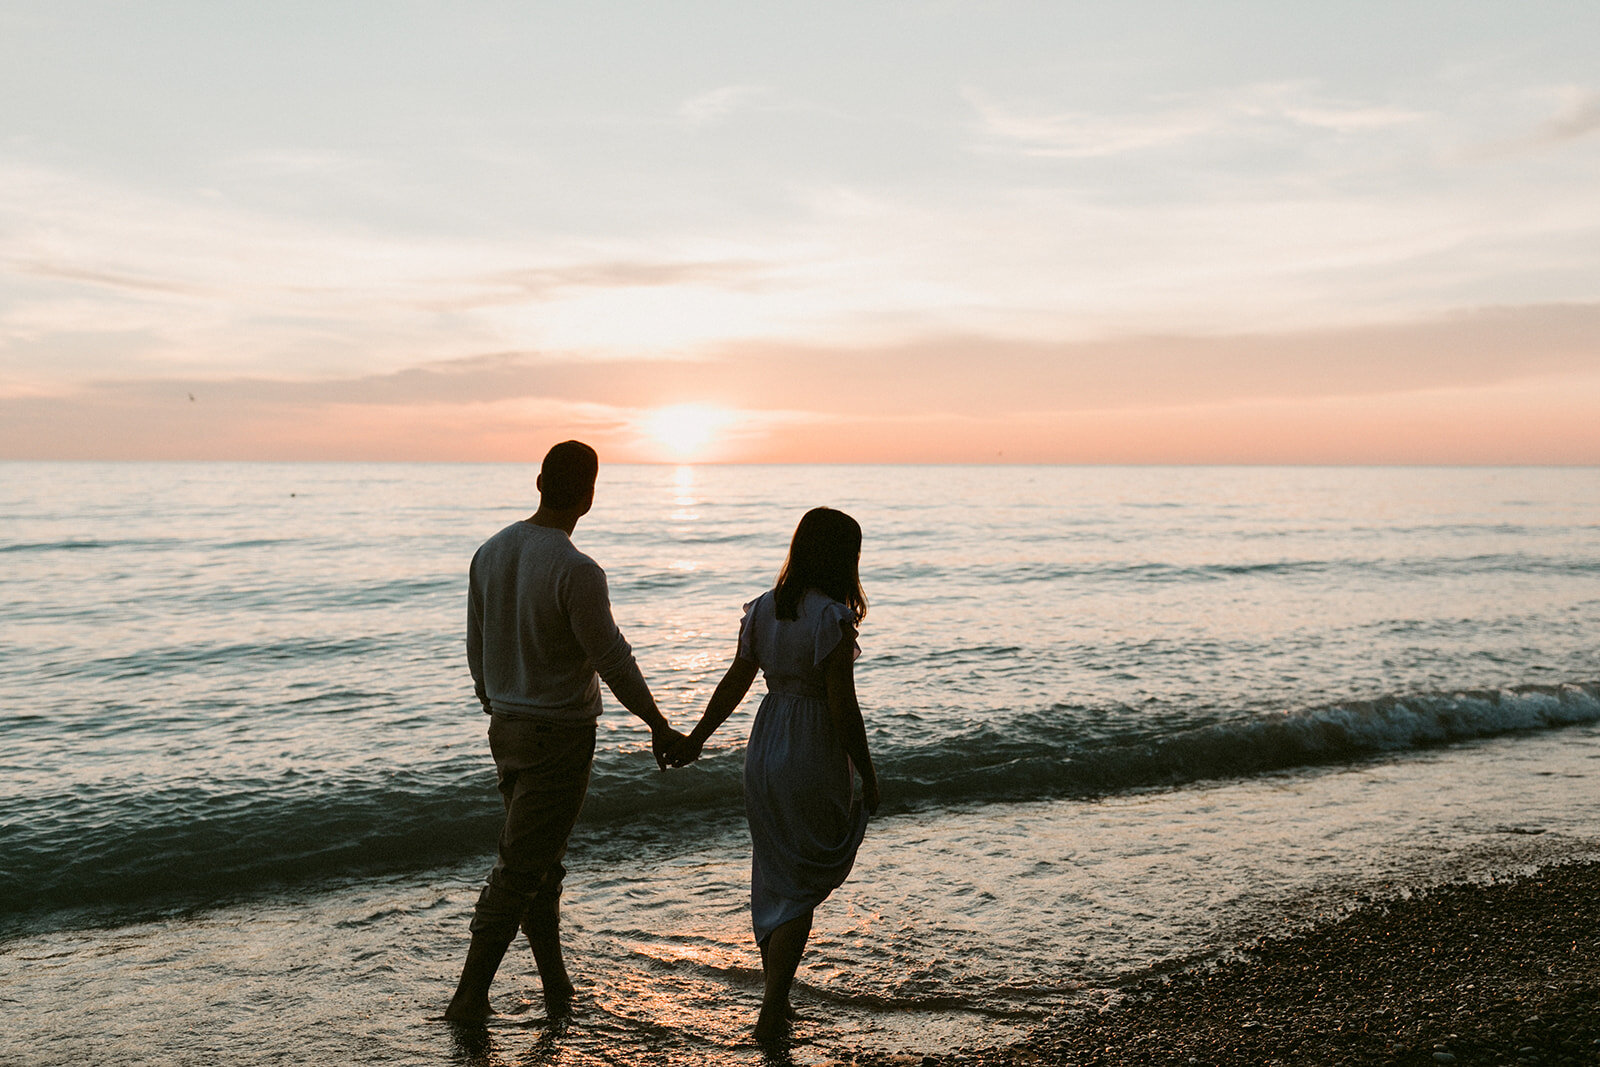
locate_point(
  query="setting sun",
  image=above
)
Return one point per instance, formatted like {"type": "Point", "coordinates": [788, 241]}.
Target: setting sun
{"type": "Point", "coordinates": [685, 430]}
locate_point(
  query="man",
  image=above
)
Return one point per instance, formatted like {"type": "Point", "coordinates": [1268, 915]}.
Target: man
{"type": "Point", "coordinates": [539, 631]}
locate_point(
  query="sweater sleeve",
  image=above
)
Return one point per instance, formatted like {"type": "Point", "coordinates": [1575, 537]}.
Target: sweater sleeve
{"type": "Point", "coordinates": [589, 609]}
{"type": "Point", "coordinates": [475, 635]}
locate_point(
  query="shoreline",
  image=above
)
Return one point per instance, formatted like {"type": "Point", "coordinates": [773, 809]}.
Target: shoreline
{"type": "Point", "coordinates": [1502, 972]}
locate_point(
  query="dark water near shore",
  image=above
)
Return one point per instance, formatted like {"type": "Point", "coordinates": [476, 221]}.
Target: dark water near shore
{"type": "Point", "coordinates": [1119, 714]}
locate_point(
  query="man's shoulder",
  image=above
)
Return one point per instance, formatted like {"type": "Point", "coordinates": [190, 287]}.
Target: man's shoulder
{"type": "Point", "coordinates": [577, 562]}
{"type": "Point", "coordinates": [522, 534]}
{"type": "Point", "coordinates": [523, 539]}
{"type": "Point", "coordinates": [511, 543]}
{"type": "Point", "coordinates": [508, 537]}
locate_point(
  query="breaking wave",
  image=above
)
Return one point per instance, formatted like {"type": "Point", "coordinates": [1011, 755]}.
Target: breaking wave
{"type": "Point", "coordinates": [109, 848]}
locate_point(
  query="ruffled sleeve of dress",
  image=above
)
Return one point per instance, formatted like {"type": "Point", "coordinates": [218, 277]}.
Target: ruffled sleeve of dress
{"type": "Point", "coordinates": [838, 623]}
{"type": "Point", "coordinates": [747, 633]}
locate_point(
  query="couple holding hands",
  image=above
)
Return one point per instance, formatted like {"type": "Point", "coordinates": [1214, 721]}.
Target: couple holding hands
{"type": "Point", "coordinates": [540, 636]}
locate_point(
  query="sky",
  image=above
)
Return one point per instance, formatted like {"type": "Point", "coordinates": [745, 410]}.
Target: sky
{"type": "Point", "coordinates": [1089, 232]}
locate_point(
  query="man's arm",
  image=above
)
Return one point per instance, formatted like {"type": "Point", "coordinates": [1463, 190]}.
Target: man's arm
{"type": "Point", "coordinates": [475, 635]}
{"type": "Point", "coordinates": [589, 609]}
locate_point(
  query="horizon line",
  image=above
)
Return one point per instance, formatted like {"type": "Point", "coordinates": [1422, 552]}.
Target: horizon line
{"type": "Point", "coordinates": [535, 461]}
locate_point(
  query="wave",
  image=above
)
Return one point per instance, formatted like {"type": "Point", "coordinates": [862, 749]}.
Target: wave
{"type": "Point", "coordinates": [183, 659]}
{"type": "Point", "coordinates": [1147, 572]}
{"type": "Point", "coordinates": [80, 545]}
{"type": "Point", "coordinates": [1030, 764]}
{"type": "Point", "coordinates": [105, 850]}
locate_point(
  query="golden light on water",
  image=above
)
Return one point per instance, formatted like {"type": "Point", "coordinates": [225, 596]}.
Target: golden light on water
{"type": "Point", "coordinates": [683, 494]}
{"type": "Point", "coordinates": [686, 431]}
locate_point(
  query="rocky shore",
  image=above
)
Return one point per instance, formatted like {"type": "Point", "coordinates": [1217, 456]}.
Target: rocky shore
{"type": "Point", "coordinates": [1499, 973]}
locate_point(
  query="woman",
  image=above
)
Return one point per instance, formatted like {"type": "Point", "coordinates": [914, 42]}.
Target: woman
{"type": "Point", "coordinates": [805, 823]}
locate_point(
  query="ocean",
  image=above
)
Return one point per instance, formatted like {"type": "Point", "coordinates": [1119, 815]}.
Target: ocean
{"type": "Point", "coordinates": [1124, 718]}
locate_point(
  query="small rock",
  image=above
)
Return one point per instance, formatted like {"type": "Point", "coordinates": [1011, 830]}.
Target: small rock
{"type": "Point", "coordinates": [1444, 1057]}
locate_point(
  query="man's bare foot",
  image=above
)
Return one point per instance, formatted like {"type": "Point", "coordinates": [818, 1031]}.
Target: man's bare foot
{"type": "Point", "coordinates": [544, 937]}
{"type": "Point", "coordinates": [558, 1000]}
{"type": "Point", "coordinates": [471, 1001]}
{"type": "Point", "coordinates": [468, 1010]}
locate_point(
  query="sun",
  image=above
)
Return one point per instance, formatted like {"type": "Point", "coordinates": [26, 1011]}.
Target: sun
{"type": "Point", "coordinates": [685, 430]}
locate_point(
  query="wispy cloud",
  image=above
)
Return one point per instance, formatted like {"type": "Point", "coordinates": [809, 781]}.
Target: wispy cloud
{"type": "Point", "coordinates": [209, 281]}
{"type": "Point", "coordinates": [1571, 113]}
{"type": "Point", "coordinates": [1041, 131]}
{"type": "Point", "coordinates": [542, 282]}
{"type": "Point", "coordinates": [1579, 118]}
{"type": "Point", "coordinates": [936, 374]}
{"type": "Point", "coordinates": [109, 279]}
{"type": "Point", "coordinates": [714, 106]}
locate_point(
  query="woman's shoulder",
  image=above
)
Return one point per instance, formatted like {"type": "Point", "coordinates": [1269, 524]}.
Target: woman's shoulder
{"type": "Point", "coordinates": [819, 605]}
{"type": "Point", "coordinates": [761, 611]}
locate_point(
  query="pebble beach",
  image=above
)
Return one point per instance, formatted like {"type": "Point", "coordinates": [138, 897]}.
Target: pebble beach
{"type": "Point", "coordinates": [1502, 972]}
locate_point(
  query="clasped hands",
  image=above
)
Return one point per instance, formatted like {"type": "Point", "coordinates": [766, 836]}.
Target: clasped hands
{"type": "Point", "coordinates": [674, 749]}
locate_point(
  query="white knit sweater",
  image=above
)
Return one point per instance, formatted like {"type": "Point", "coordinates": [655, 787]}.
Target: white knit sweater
{"type": "Point", "coordinates": [539, 629]}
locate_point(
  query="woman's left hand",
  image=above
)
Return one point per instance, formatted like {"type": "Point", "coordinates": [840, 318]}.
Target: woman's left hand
{"type": "Point", "coordinates": [684, 752]}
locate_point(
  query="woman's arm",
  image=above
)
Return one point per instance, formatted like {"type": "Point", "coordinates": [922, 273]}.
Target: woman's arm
{"type": "Point", "coordinates": [839, 670]}
{"type": "Point", "coordinates": [730, 691]}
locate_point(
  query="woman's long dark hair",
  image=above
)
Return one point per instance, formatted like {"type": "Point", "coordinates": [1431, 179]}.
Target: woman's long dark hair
{"type": "Point", "coordinates": [825, 555]}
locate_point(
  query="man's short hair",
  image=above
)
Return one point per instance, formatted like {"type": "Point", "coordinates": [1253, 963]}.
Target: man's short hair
{"type": "Point", "coordinates": [567, 476]}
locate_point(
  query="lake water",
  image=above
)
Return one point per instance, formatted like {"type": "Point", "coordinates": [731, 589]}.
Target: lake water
{"type": "Point", "coordinates": [1124, 718]}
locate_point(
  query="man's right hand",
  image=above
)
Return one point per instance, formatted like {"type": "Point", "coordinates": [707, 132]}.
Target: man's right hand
{"type": "Point", "coordinates": [685, 752]}
{"type": "Point", "coordinates": [664, 741]}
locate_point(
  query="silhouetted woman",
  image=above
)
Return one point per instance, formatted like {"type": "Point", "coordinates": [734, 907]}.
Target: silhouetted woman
{"type": "Point", "coordinates": [805, 822]}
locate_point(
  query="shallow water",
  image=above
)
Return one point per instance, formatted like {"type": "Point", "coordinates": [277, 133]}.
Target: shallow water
{"type": "Point", "coordinates": [956, 931]}
{"type": "Point", "coordinates": [1123, 717]}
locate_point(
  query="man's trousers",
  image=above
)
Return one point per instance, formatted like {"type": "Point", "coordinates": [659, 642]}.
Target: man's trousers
{"type": "Point", "coordinates": [543, 768]}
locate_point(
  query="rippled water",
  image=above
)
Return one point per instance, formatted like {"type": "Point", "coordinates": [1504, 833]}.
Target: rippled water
{"type": "Point", "coordinates": [1123, 716]}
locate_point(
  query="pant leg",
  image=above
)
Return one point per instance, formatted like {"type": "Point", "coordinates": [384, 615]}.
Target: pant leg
{"type": "Point", "coordinates": [543, 768]}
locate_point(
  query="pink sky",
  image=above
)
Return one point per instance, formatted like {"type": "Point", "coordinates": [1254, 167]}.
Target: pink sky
{"type": "Point", "coordinates": [1511, 386]}
{"type": "Point", "coordinates": [1089, 233]}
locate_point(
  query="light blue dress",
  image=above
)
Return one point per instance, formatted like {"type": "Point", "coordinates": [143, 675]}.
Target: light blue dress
{"type": "Point", "coordinates": [805, 822]}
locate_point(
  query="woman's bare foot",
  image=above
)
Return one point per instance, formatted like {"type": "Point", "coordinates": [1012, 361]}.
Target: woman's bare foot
{"type": "Point", "coordinates": [780, 957]}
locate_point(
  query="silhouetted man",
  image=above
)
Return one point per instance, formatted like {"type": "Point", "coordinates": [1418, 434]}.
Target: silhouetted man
{"type": "Point", "coordinates": [539, 637]}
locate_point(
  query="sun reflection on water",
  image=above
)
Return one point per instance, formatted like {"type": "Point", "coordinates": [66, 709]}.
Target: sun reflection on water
{"type": "Point", "coordinates": [683, 495]}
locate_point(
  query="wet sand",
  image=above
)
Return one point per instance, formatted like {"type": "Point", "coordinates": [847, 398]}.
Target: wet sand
{"type": "Point", "coordinates": [1500, 973]}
